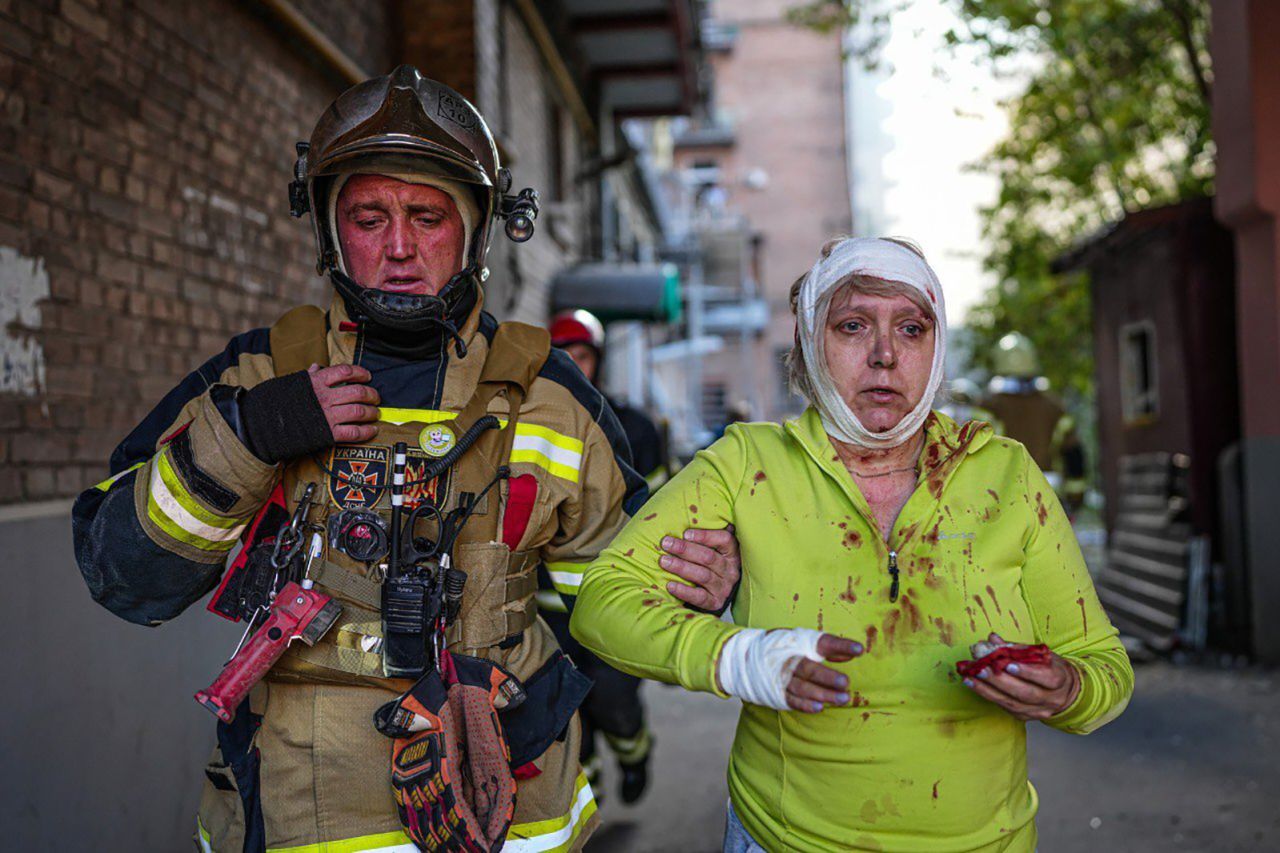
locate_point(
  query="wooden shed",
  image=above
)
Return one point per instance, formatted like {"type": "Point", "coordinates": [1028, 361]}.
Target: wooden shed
{"type": "Point", "coordinates": [1163, 295]}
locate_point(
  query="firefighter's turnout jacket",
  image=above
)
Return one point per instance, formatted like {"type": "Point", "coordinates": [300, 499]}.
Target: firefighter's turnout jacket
{"type": "Point", "coordinates": [306, 769]}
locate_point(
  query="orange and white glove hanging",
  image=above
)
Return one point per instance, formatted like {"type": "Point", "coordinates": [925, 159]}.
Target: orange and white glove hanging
{"type": "Point", "coordinates": [450, 763]}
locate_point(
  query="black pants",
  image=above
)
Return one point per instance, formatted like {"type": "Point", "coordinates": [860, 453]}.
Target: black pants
{"type": "Point", "coordinates": [613, 707]}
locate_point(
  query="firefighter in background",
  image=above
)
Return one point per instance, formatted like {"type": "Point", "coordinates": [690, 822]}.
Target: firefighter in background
{"type": "Point", "coordinates": [613, 707]}
{"type": "Point", "coordinates": [1021, 407]}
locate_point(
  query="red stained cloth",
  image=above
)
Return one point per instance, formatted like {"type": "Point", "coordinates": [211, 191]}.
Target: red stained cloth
{"type": "Point", "coordinates": [522, 492]}
{"type": "Point", "coordinates": [1000, 659]}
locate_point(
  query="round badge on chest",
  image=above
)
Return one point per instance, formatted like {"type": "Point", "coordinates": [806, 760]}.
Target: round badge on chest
{"type": "Point", "coordinates": [437, 440]}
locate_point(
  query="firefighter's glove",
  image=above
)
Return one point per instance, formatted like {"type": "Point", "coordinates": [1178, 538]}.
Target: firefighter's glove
{"type": "Point", "coordinates": [450, 764]}
{"type": "Point", "coordinates": [281, 419]}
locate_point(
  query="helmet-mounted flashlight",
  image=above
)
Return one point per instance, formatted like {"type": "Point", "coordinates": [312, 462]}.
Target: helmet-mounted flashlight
{"type": "Point", "coordinates": [520, 211]}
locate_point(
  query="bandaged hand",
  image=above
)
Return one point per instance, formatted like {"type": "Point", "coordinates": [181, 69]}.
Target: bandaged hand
{"type": "Point", "coordinates": [783, 669]}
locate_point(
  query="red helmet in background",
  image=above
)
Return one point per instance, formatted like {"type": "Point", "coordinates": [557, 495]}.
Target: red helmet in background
{"type": "Point", "coordinates": [577, 327]}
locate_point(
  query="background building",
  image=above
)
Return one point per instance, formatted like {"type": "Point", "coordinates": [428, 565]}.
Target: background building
{"type": "Point", "coordinates": [767, 168]}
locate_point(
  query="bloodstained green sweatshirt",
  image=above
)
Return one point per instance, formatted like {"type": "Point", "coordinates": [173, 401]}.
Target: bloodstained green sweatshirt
{"type": "Point", "coordinates": [916, 762]}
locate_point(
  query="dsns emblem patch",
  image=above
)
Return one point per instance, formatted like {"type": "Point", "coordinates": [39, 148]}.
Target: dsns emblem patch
{"type": "Point", "coordinates": [359, 475]}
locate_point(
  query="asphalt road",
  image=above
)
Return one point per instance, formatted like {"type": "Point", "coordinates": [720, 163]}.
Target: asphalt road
{"type": "Point", "coordinates": [1193, 764]}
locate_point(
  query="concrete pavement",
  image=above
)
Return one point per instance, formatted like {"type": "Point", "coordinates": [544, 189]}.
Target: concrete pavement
{"type": "Point", "coordinates": [1193, 764]}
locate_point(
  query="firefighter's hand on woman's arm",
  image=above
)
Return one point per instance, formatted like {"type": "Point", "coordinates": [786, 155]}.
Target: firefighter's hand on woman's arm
{"type": "Point", "coordinates": [708, 562]}
{"type": "Point", "coordinates": [350, 406]}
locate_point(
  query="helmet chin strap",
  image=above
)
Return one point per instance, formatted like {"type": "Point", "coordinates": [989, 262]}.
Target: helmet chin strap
{"type": "Point", "coordinates": [404, 315]}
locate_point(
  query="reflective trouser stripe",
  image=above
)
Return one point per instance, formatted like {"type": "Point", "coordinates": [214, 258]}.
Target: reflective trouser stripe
{"type": "Point", "coordinates": [630, 750]}
{"type": "Point", "coordinates": [543, 836]}
{"type": "Point", "coordinates": [383, 842]}
{"type": "Point", "coordinates": [556, 834]}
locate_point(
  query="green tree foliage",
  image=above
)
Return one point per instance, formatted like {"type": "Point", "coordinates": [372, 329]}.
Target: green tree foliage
{"type": "Point", "coordinates": [1114, 117]}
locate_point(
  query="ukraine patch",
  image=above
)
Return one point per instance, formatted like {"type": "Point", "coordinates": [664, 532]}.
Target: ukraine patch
{"type": "Point", "coordinates": [358, 475]}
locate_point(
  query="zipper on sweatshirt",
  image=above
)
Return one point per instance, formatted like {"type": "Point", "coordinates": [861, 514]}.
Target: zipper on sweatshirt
{"type": "Point", "coordinates": [893, 575]}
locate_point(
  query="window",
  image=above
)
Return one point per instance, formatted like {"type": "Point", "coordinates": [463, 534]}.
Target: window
{"type": "Point", "coordinates": [714, 403]}
{"type": "Point", "coordinates": [1139, 377]}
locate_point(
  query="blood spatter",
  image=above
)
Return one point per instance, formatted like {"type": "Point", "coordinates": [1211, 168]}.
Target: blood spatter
{"type": "Point", "coordinates": [994, 601]}
{"type": "Point", "coordinates": [844, 525]}
{"type": "Point", "coordinates": [932, 581]}
{"type": "Point", "coordinates": [650, 517]}
{"type": "Point", "coordinates": [760, 477]}
{"type": "Point", "coordinates": [944, 631]}
{"type": "Point", "coordinates": [947, 727]}
{"type": "Point", "coordinates": [651, 602]}
{"type": "Point", "coordinates": [978, 600]}
{"type": "Point", "coordinates": [693, 507]}
{"type": "Point", "coordinates": [872, 631]}
{"type": "Point", "coordinates": [859, 701]}
{"type": "Point", "coordinates": [866, 715]}
{"type": "Point", "coordinates": [907, 532]}
{"type": "Point", "coordinates": [1016, 623]}
{"type": "Point", "coordinates": [973, 626]}
{"type": "Point", "coordinates": [629, 552]}
{"type": "Point", "coordinates": [849, 595]}
{"type": "Point", "coordinates": [932, 536]}
{"type": "Point", "coordinates": [795, 597]}
{"type": "Point", "coordinates": [995, 497]}
{"type": "Point", "coordinates": [1042, 511]}
{"type": "Point", "coordinates": [912, 612]}
{"type": "Point", "coordinates": [935, 789]}
{"type": "Point", "coordinates": [819, 620]}
{"type": "Point", "coordinates": [891, 627]}
{"type": "Point", "coordinates": [852, 539]}
{"type": "Point", "coordinates": [1084, 616]}
{"type": "Point", "coordinates": [688, 616]}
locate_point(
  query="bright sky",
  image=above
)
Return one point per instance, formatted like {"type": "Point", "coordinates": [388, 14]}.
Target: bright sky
{"type": "Point", "coordinates": [938, 124]}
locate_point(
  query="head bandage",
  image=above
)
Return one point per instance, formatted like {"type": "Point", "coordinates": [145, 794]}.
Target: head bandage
{"type": "Point", "coordinates": [456, 190]}
{"type": "Point", "coordinates": [887, 261]}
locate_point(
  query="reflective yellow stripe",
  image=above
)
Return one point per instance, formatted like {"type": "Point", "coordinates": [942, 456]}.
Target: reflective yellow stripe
{"type": "Point", "coordinates": [179, 490]}
{"type": "Point", "coordinates": [421, 416]}
{"type": "Point", "coordinates": [558, 453]}
{"type": "Point", "coordinates": [566, 577]}
{"type": "Point", "coordinates": [543, 461]}
{"type": "Point", "coordinates": [567, 442]}
{"type": "Point", "coordinates": [106, 484]}
{"type": "Point", "coordinates": [174, 511]}
{"type": "Point", "coordinates": [389, 415]}
{"type": "Point", "coordinates": [557, 833]}
{"type": "Point", "coordinates": [384, 842]}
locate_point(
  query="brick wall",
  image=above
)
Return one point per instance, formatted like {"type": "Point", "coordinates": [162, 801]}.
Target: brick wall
{"type": "Point", "coordinates": [144, 154]}
{"type": "Point", "coordinates": [145, 146]}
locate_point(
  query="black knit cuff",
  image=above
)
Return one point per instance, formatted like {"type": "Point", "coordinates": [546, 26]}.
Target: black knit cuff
{"type": "Point", "coordinates": [282, 419]}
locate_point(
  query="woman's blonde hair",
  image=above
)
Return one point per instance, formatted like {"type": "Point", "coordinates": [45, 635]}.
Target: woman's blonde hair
{"type": "Point", "coordinates": [797, 371]}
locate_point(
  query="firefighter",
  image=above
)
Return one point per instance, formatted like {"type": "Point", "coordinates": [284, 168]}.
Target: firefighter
{"type": "Point", "coordinates": [302, 422]}
{"type": "Point", "coordinates": [1021, 407]}
{"type": "Point", "coordinates": [613, 707]}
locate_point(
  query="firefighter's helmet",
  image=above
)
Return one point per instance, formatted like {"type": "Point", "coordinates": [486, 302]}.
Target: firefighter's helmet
{"type": "Point", "coordinates": [406, 124]}
{"type": "Point", "coordinates": [577, 327]}
{"type": "Point", "coordinates": [1016, 356]}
